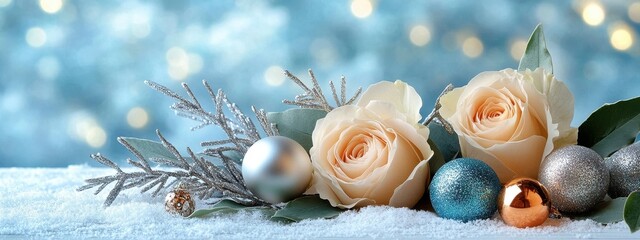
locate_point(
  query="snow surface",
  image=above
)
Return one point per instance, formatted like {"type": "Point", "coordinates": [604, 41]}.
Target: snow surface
{"type": "Point", "coordinates": [43, 203]}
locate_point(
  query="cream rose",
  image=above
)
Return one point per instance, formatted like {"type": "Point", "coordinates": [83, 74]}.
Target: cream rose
{"type": "Point", "coordinates": [374, 152]}
{"type": "Point", "coordinates": [511, 120]}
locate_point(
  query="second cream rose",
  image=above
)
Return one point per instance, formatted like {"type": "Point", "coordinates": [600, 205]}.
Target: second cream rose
{"type": "Point", "coordinates": [511, 120]}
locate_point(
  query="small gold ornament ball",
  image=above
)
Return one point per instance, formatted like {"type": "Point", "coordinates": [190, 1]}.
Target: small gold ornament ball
{"type": "Point", "coordinates": [524, 202]}
{"type": "Point", "coordinates": [179, 202]}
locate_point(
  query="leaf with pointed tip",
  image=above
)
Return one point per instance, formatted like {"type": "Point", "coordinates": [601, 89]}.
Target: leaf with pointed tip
{"type": "Point", "coordinates": [228, 206]}
{"type": "Point", "coordinates": [149, 149]}
{"type": "Point", "coordinates": [632, 211]}
{"type": "Point", "coordinates": [447, 143]}
{"type": "Point", "coordinates": [608, 211]}
{"type": "Point", "coordinates": [436, 160]}
{"type": "Point", "coordinates": [611, 127]}
{"type": "Point", "coordinates": [536, 54]}
{"type": "Point", "coordinates": [297, 124]}
{"type": "Point", "coordinates": [306, 207]}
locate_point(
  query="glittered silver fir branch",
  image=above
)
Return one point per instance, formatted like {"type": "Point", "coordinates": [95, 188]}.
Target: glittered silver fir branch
{"type": "Point", "coordinates": [241, 132]}
{"type": "Point", "coordinates": [314, 98]}
{"type": "Point", "coordinates": [195, 173]}
{"type": "Point", "coordinates": [199, 176]}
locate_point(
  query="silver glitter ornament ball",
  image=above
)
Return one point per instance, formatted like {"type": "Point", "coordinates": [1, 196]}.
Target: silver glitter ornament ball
{"type": "Point", "coordinates": [276, 169]}
{"type": "Point", "coordinates": [576, 177]}
{"type": "Point", "coordinates": [624, 170]}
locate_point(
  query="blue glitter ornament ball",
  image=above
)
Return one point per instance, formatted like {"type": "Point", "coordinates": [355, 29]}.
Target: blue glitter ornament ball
{"type": "Point", "coordinates": [465, 189]}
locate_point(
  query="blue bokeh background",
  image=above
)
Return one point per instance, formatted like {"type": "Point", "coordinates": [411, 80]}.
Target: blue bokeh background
{"type": "Point", "coordinates": [72, 72]}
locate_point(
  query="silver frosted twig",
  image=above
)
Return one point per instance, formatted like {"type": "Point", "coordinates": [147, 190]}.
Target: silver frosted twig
{"type": "Point", "coordinates": [240, 129]}
{"type": "Point", "coordinates": [314, 98]}
{"type": "Point", "coordinates": [435, 113]}
{"type": "Point", "coordinates": [200, 176]}
{"type": "Point", "coordinates": [205, 179]}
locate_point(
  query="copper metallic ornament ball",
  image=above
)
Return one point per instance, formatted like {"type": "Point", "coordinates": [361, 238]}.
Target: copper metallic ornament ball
{"type": "Point", "coordinates": [524, 202]}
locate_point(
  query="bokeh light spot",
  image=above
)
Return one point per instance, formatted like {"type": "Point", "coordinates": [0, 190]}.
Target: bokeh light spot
{"type": "Point", "coordinates": [274, 76]}
{"type": "Point", "coordinates": [178, 60]}
{"type": "Point", "coordinates": [621, 37]}
{"type": "Point", "coordinates": [178, 72]}
{"type": "Point", "coordinates": [361, 8]}
{"type": "Point", "coordinates": [517, 49]}
{"type": "Point", "coordinates": [4, 3]}
{"type": "Point", "coordinates": [634, 12]}
{"type": "Point", "coordinates": [51, 6]}
{"type": "Point", "coordinates": [195, 63]}
{"type": "Point", "coordinates": [81, 125]}
{"type": "Point", "coordinates": [176, 55]}
{"type": "Point", "coordinates": [472, 47]}
{"type": "Point", "coordinates": [96, 137]}
{"type": "Point", "coordinates": [420, 35]}
{"type": "Point", "coordinates": [85, 128]}
{"type": "Point", "coordinates": [593, 14]}
{"type": "Point", "coordinates": [36, 37]}
{"type": "Point", "coordinates": [137, 117]}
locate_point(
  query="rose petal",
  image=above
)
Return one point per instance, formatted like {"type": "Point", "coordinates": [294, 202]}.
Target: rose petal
{"type": "Point", "coordinates": [409, 193]}
{"type": "Point", "coordinates": [471, 149]}
{"type": "Point", "coordinates": [449, 103]}
{"type": "Point", "coordinates": [526, 159]}
{"type": "Point", "coordinates": [383, 110]}
{"type": "Point", "coordinates": [561, 103]}
{"type": "Point", "coordinates": [354, 167]}
{"type": "Point", "coordinates": [402, 160]}
{"type": "Point", "coordinates": [335, 196]}
{"type": "Point", "coordinates": [479, 126]}
{"type": "Point", "coordinates": [403, 97]}
{"type": "Point", "coordinates": [530, 123]}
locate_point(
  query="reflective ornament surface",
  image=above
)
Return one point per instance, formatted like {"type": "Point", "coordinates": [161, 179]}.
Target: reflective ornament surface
{"type": "Point", "coordinates": [576, 178]}
{"type": "Point", "coordinates": [465, 189]}
{"type": "Point", "coordinates": [179, 202]}
{"type": "Point", "coordinates": [624, 170]}
{"type": "Point", "coordinates": [524, 202]}
{"type": "Point", "coordinates": [276, 169]}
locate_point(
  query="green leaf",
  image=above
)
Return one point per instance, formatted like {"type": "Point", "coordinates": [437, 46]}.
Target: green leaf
{"type": "Point", "coordinates": [297, 124]}
{"type": "Point", "coordinates": [234, 155]}
{"type": "Point", "coordinates": [227, 206]}
{"type": "Point", "coordinates": [436, 161]}
{"type": "Point", "coordinates": [608, 211]}
{"type": "Point", "coordinates": [306, 207]}
{"type": "Point", "coordinates": [536, 54]}
{"type": "Point", "coordinates": [632, 211]}
{"type": "Point", "coordinates": [447, 143]}
{"type": "Point", "coordinates": [611, 127]}
{"type": "Point", "coordinates": [149, 149]}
